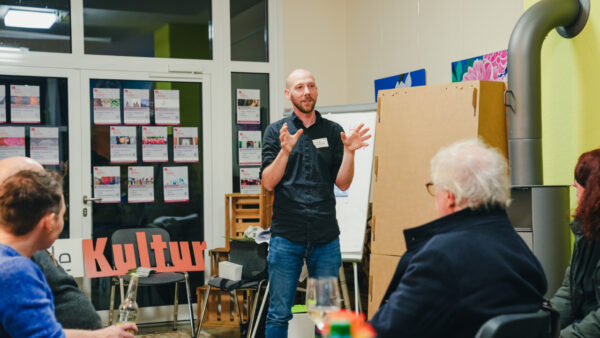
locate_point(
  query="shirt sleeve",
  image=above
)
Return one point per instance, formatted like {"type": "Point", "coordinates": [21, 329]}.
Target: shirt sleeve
{"type": "Point", "coordinates": [421, 299]}
{"type": "Point", "coordinates": [26, 308]}
{"type": "Point", "coordinates": [271, 147]}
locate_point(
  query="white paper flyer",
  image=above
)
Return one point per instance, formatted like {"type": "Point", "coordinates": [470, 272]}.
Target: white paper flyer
{"type": "Point", "coordinates": [176, 184]}
{"type": "Point", "coordinates": [249, 180]}
{"type": "Point", "coordinates": [122, 145]}
{"type": "Point", "coordinates": [107, 184]}
{"type": "Point", "coordinates": [185, 144]}
{"type": "Point", "coordinates": [140, 184]}
{"type": "Point", "coordinates": [25, 104]}
{"type": "Point", "coordinates": [43, 145]}
{"type": "Point", "coordinates": [107, 106]}
{"type": "Point", "coordinates": [2, 104]}
{"type": "Point", "coordinates": [12, 142]}
{"type": "Point", "coordinates": [154, 144]}
{"type": "Point", "coordinates": [248, 106]}
{"type": "Point", "coordinates": [249, 147]}
{"type": "Point", "coordinates": [137, 106]}
{"type": "Point", "coordinates": [166, 107]}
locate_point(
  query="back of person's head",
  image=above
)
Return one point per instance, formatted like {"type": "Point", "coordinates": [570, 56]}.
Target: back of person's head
{"type": "Point", "coordinates": [26, 197]}
{"type": "Point", "coordinates": [476, 174]}
{"type": "Point", "coordinates": [587, 174]}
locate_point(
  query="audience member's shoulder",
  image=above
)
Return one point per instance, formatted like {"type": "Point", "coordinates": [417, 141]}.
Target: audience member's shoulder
{"type": "Point", "coordinates": [17, 266]}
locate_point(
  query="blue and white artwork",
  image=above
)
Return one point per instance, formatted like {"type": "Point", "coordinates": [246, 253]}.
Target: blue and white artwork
{"type": "Point", "coordinates": [411, 79]}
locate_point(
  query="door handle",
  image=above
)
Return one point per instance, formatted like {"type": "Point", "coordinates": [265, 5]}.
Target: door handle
{"type": "Point", "coordinates": [86, 200]}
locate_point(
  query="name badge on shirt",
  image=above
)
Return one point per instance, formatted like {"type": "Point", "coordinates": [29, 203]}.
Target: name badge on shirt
{"type": "Point", "coordinates": [321, 142]}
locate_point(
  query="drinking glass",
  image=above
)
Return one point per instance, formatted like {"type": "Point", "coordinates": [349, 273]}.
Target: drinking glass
{"type": "Point", "coordinates": [322, 297]}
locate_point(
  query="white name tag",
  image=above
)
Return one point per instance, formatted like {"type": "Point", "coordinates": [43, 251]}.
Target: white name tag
{"type": "Point", "coordinates": [321, 143]}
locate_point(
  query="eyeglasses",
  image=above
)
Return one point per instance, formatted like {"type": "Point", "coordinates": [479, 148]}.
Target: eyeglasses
{"type": "Point", "coordinates": [430, 188]}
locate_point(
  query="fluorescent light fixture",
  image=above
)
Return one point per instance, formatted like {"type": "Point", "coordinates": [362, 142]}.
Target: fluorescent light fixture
{"type": "Point", "coordinates": [29, 18]}
{"type": "Point", "coordinates": [13, 49]}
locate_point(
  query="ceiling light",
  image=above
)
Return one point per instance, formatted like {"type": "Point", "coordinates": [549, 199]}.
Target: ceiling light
{"type": "Point", "coordinates": [30, 18]}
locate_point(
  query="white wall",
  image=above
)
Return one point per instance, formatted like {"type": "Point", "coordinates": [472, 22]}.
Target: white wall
{"type": "Point", "coordinates": [388, 37]}
{"type": "Point", "coordinates": [314, 37]}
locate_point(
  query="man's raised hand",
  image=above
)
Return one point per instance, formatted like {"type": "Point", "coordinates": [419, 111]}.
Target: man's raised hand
{"type": "Point", "coordinates": [288, 141]}
{"type": "Point", "coordinates": [356, 138]}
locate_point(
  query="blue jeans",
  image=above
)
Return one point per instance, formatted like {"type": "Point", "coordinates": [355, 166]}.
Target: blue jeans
{"type": "Point", "coordinates": [285, 264]}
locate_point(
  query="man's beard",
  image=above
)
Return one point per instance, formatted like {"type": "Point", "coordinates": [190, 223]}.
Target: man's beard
{"type": "Point", "coordinates": [305, 111]}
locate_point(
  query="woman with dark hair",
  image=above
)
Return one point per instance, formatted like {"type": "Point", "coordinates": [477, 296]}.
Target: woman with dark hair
{"type": "Point", "coordinates": [578, 299]}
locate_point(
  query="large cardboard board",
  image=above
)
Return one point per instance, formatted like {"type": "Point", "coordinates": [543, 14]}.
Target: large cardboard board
{"type": "Point", "coordinates": [413, 123]}
{"type": "Point", "coordinates": [381, 271]}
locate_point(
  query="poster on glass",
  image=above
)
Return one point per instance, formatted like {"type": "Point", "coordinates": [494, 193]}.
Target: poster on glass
{"type": "Point", "coordinates": [25, 104]}
{"type": "Point", "coordinates": [185, 144]}
{"type": "Point", "coordinates": [249, 147]}
{"type": "Point", "coordinates": [166, 107]}
{"type": "Point", "coordinates": [249, 180]}
{"type": "Point", "coordinates": [43, 145]}
{"type": "Point", "coordinates": [107, 106]}
{"type": "Point", "coordinates": [176, 184]}
{"type": "Point", "coordinates": [248, 106]}
{"type": "Point", "coordinates": [122, 145]}
{"type": "Point", "coordinates": [107, 184]}
{"type": "Point", "coordinates": [2, 104]}
{"type": "Point", "coordinates": [154, 144]}
{"type": "Point", "coordinates": [12, 142]}
{"type": "Point", "coordinates": [140, 184]}
{"type": "Point", "coordinates": [137, 106]}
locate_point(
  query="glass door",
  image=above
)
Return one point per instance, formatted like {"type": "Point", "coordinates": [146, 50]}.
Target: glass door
{"type": "Point", "coordinates": [145, 168]}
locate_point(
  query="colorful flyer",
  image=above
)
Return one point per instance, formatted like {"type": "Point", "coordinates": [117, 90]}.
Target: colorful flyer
{"type": "Point", "coordinates": [107, 106]}
{"type": "Point", "coordinates": [43, 145]}
{"type": "Point", "coordinates": [12, 142]}
{"type": "Point", "coordinates": [25, 104]}
{"type": "Point", "coordinates": [249, 147]}
{"type": "Point", "coordinates": [166, 107]}
{"type": "Point", "coordinates": [248, 106]}
{"type": "Point", "coordinates": [137, 106]}
{"type": "Point", "coordinates": [2, 104]}
{"type": "Point", "coordinates": [249, 180]}
{"type": "Point", "coordinates": [185, 144]}
{"type": "Point", "coordinates": [122, 145]}
{"type": "Point", "coordinates": [107, 184]}
{"type": "Point", "coordinates": [154, 144]}
{"type": "Point", "coordinates": [140, 184]}
{"type": "Point", "coordinates": [176, 184]}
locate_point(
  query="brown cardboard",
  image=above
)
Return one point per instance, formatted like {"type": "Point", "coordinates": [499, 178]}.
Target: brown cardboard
{"type": "Point", "coordinates": [413, 123]}
{"type": "Point", "coordinates": [381, 271]}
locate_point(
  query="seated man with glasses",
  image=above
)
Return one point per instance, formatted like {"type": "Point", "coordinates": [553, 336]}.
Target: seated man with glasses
{"type": "Point", "coordinates": [467, 266]}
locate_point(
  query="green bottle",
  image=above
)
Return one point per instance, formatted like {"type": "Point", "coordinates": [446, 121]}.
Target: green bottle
{"type": "Point", "coordinates": [339, 330]}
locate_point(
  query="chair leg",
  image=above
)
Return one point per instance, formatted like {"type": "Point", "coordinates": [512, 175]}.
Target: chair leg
{"type": "Point", "coordinates": [189, 299]}
{"type": "Point", "coordinates": [233, 294]}
{"type": "Point", "coordinates": [262, 306]}
{"type": "Point", "coordinates": [112, 301]}
{"type": "Point", "coordinates": [252, 313]}
{"type": "Point", "coordinates": [175, 306]}
{"type": "Point", "coordinates": [201, 319]}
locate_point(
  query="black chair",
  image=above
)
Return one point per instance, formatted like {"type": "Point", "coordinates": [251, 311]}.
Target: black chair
{"type": "Point", "coordinates": [128, 236]}
{"type": "Point", "coordinates": [540, 324]}
{"type": "Point", "coordinates": [253, 258]}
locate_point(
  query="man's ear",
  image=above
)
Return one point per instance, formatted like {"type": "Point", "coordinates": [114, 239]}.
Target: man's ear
{"type": "Point", "coordinates": [47, 222]}
{"type": "Point", "coordinates": [286, 92]}
{"type": "Point", "coordinates": [450, 200]}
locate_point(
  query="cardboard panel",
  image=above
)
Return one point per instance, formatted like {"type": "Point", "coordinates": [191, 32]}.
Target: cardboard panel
{"type": "Point", "coordinates": [381, 272]}
{"type": "Point", "coordinates": [413, 123]}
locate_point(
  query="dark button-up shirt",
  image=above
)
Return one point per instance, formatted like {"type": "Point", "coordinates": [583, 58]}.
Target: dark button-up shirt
{"type": "Point", "coordinates": [304, 203]}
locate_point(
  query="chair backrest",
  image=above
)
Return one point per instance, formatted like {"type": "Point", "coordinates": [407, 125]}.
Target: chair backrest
{"type": "Point", "coordinates": [128, 236]}
{"type": "Point", "coordinates": [532, 325]}
{"type": "Point", "coordinates": [250, 255]}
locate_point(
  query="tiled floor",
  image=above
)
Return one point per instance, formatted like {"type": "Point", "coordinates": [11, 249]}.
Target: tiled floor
{"type": "Point", "coordinates": [184, 331]}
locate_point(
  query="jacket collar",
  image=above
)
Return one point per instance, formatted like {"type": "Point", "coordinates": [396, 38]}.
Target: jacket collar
{"type": "Point", "coordinates": [457, 221]}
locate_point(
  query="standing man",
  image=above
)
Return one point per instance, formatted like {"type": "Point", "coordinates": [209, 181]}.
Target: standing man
{"type": "Point", "coordinates": [303, 156]}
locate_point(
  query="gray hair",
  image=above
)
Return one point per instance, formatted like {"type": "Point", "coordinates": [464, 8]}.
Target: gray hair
{"type": "Point", "coordinates": [476, 174]}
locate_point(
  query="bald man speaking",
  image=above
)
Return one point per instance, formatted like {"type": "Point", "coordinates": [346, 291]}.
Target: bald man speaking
{"type": "Point", "coordinates": [303, 156]}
